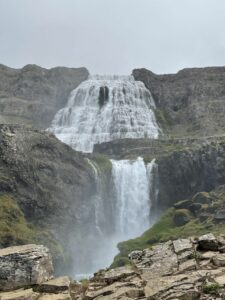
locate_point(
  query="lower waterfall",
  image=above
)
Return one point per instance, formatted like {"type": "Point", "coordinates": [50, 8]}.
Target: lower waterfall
{"type": "Point", "coordinates": [130, 205]}
{"type": "Point", "coordinates": [132, 186]}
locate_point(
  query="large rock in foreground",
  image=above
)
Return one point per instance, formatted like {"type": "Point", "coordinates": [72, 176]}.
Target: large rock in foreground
{"type": "Point", "coordinates": [22, 266]}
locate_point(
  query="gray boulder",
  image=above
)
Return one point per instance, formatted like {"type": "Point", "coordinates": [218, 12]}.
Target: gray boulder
{"type": "Point", "coordinates": [22, 266]}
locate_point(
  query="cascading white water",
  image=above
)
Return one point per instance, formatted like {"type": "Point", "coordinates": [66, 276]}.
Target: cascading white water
{"type": "Point", "coordinates": [105, 108]}
{"type": "Point", "coordinates": [132, 183]}
{"type": "Point", "coordinates": [130, 216]}
{"type": "Point", "coordinates": [101, 109]}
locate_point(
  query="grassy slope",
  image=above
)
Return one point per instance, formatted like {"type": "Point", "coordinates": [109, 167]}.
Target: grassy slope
{"type": "Point", "coordinates": [14, 229]}
{"type": "Point", "coordinates": [167, 228]}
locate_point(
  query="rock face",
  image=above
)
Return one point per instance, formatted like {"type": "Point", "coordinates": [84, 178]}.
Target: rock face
{"type": "Point", "coordinates": [32, 95]}
{"type": "Point", "coordinates": [51, 183]}
{"type": "Point", "coordinates": [22, 266]}
{"type": "Point", "coordinates": [181, 269]}
{"type": "Point", "coordinates": [40, 171]}
{"type": "Point", "coordinates": [189, 103]}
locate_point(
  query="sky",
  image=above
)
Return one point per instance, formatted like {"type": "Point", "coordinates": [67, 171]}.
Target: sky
{"type": "Point", "coordinates": [113, 36]}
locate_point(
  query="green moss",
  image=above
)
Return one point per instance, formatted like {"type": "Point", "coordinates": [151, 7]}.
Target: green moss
{"type": "Point", "coordinates": [211, 289]}
{"type": "Point", "coordinates": [120, 261]}
{"type": "Point", "coordinates": [163, 118]}
{"type": "Point", "coordinates": [15, 230]}
{"type": "Point", "coordinates": [182, 216]}
{"type": "Point", "coordinates": [103, 162]}
{"type": "Point", "coordinates": [165, 229]}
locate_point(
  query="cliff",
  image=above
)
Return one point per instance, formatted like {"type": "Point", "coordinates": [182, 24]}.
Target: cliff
{"type": "Point", "coordinates": [189, 103]}
{"type": "Point", "coordinates": [32, 95]}
{"type": "Point", "coordinates": [44, 183]}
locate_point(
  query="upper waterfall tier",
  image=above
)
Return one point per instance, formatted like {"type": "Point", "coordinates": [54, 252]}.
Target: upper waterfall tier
{"type": "Point", "coordinates": [105, 108]}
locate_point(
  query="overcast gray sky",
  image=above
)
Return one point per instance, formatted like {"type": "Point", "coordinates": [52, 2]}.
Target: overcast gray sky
{"type": "Point", "coordinates": [113, 36]}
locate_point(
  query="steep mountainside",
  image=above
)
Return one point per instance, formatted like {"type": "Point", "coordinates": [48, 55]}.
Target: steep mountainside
{"type": "Point", "coordinates": [47, 182]}
{"type": "Point", "coordinates": [32, 95]}
{"type": "Point", "coordinates": [189, 103]}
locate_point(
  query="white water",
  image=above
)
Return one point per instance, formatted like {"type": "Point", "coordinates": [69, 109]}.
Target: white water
{"type": "Point", "coordinates": [131, 194]}
{"type": "Point", "coordinates": [126, 111]}
{"type": "Point", "coordinates": [132, 183]}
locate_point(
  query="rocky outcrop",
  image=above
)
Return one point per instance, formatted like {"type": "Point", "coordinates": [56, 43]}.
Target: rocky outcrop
{"type": "Point", "coordinates": [189, 103]}
{"type": "Point", "coordinates": [190, 268]}
{"type": "Point", "coordinates": [32, 95]}
{"type": "Point", "coordinates": [183, 268]}
{"type": "Point", "coordinates": [51, 183]}
{"type": "Point", "coordinates": [23, 266]}
{"type": "Point", "coordinates": [47, 178]}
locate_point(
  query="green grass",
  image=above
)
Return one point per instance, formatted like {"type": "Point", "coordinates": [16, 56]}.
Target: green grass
{"type": "Point", "coordinates": [211, 289]}
{"type": "Point", "coordinates": [103, 162]}
{"type": "Point", "coordinates": [15, 230]}
{"type": "Point", "coordinates": [165, 229]}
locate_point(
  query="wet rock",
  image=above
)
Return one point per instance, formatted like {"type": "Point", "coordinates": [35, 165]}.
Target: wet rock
{"type": "Point", "coordinates": [24, 266]}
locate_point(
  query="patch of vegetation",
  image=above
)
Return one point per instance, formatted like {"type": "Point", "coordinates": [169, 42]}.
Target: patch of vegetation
{"type": "Point", "coordinates": [211, 289]}
{"type": "Point", "coordinates": [194, 219]}
{"type": "Point", "coordinates": [103, 162]}
{"type": "Point", "coordinates": [15, 230]}
{"type": "Point", "coordinates": [120, 261]}
{"type": "Point", "coordinates": [163, 118]}
{"type": "Point", "coordinates": [165, 229]}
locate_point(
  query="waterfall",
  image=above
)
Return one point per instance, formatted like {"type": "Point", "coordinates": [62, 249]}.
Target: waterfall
{"type": "Point", "coordinates": [102, 109]}
{"type": "Point", "coordinates": [132, 184]}
{"type": "Point", "coordinates": [105, 108]}
{"type": "Point", "coordinates": [132, 188]}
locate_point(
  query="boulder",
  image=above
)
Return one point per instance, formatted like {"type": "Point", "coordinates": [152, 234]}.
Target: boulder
{"type": "Point", "coordinates": [219, 260]}
{"type": "Point", "coordinates": [20, 294]}
{"type": "Point", "coordinates": [56, 286]}
{"type": "Point", "coordinates": [110, 276]}
{"type": "Point", "coordinates": [182, 245]}
{"type": "Point", "coordinates": [22, 266]}
{"type": "Point", "coordinates": [208, 242]}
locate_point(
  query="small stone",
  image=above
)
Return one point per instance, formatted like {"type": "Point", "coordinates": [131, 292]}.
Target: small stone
{"type": "Point", "coordinates": [220, 280]}
{"type": "Point", "coordinates": [219, 260]}
{"type": "Point", "coordinates": [55, 286]}
{"type": "Point", "coordinates": [181, 245]}
{"type": "Point", "coordinates": [188, 265]}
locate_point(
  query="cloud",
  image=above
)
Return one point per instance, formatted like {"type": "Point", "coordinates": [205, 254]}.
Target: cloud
{"type": "Point", "coordinates": [113, 36]}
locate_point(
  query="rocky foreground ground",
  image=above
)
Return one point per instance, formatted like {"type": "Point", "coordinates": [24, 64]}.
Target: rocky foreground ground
{"type": "Point", "coordinates": [186, 269]}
